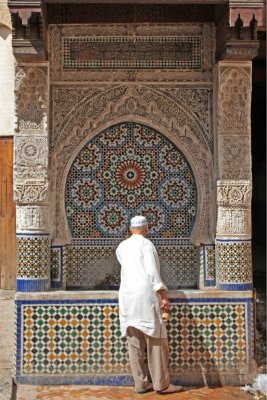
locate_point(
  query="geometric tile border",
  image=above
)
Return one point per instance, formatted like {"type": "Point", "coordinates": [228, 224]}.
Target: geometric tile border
{"type": "Point", "coordinates": [56, 266]}
{"type": "Point", "coordinates": [179, 52]}
{"type": "Point", "coordinates": [78, 341]}
{"type": "Point", "coordinates": [96, 267]}
{"type": "Point", "coordinates": [33, 260]}
{"type": "Point", "coordinates": [207, 265]}
{"type": "Point", "coordinates": [233, 264]}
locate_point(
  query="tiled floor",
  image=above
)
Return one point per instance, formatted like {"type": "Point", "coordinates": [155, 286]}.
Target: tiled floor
{"type": "Point", "coordinates": [25, 392]}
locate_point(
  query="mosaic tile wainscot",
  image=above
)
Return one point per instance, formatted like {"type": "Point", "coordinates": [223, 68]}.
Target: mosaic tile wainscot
{"type": "Point", "coordinates": [74, 337]}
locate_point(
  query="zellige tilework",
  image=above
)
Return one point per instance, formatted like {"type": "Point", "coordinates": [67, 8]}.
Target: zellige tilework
{"type": "Point", "coordinates": [129, 169]}
{"type": "Point", "coordinates": [107, 52]}
{"type": "Point", "coordinates": [83, 337]}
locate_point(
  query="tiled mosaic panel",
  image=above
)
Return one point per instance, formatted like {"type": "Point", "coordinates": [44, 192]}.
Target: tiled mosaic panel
{"type": "Point", "coordinates": [207, 335]}
{"type": "Point", "coordinates": [109, 52]}
{"type": "Point", "coordinates": [130, 169]}
{"type": "Point", "coordinates": [234, 261]}
{"type": "Point", "coordinates": [178, 266]}
{"type": "Point", "coordinates": [33, 256]}
{"type": "Point", "coordinates": [56, 263]}
{"type": "Point", "coordinates": [85, 267]}
{"type": "Point", "coordinates": [85, 338]}
{"type": "Point", "coordinates": [210, 262]}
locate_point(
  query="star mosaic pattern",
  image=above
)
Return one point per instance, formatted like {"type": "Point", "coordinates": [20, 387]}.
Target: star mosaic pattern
{"type": "Point", "coordinates": [81, 338]}
{"type": "Point", "coordinates": [33, 256]}
{"type": "Point", "coordinates": [130, 169]}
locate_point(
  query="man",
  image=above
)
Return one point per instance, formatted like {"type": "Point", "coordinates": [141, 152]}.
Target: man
{"type": "Point", "coordinates": [142, 297]}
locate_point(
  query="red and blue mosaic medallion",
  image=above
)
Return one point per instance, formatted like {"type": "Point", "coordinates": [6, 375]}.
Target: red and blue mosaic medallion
{"type": "Point", "coordinates": [126, 170]}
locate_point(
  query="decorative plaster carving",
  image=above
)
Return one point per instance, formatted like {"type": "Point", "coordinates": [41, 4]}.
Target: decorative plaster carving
{"type": "Point", "coordinates": [198, 99]}
{"type": "Point", "coordinates": [55, 51]}
{"type": "Point", "coordinates": [234, 98]}
{"type": "Point", "coordinates": [234, 222]}
{"type": "Point", "coordinates": [235, 157]}
{"type": "Point", "coordinates": [137, 100]}
{"type": "Point", "coordinates": [31, 91]}
{"type": "Point", "coordinates": [141, 104]}
{"type": "Point", "coordinates": [31, 151]}
{"type": "Point", "coordinates": [32, 218]}
{"type": "Point", "coordinates": [20, 74]}
{"type": "Point", "coordinates": [59, 33]}
{"type": "Point", "coordinates": [234, 193]}
{"type": "Point", "coordinates": [183, 113]}
{"type": "Point", "coordinates": [64, 102]}
{"type": "Point", "coordinates": [234, 211]}
{"type": "Point", "coordinates": [32, 173]}
{"type": "Point", "coordinates": [30, 191]}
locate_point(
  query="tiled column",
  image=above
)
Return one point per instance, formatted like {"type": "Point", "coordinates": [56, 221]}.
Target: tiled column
{"type": "Point", "coordinates": [206, 265]}
{"type": "Point", "coordinates": [31, 178]}
{"type": "Point", "coordinates": [233, 234]}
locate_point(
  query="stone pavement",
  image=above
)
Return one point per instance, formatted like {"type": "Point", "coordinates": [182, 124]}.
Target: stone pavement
{"type": "Point", "coordinates": [25, 392]}
{"type": "Point", "coordinates": [7, 341]}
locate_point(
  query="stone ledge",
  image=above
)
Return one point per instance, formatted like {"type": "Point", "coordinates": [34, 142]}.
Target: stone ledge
{"type": "Point", "coordinates": [113, 295]}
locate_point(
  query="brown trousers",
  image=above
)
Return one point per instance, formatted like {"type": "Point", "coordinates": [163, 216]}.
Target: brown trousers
{"type": "Point", "coordinates": [157, 357]}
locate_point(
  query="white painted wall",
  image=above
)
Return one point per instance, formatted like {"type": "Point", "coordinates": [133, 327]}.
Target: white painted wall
{"type": "Point", "coordinates": [7, 101]}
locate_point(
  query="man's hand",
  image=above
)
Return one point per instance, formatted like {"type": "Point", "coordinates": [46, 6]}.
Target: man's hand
{"type": "Point", "coordinates": [165, 304]}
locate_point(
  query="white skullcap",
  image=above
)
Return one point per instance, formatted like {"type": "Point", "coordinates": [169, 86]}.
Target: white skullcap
{"type": "Point", "coordinates": [138, 221]}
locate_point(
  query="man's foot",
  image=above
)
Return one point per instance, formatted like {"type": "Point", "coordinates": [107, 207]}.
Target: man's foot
{"type": "Point", "coordinates": [171, 389]}
{"type": "Point", "coordinates": [146, 389]}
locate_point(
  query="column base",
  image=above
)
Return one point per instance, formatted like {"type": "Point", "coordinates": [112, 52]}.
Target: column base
{"type": "Point", "coordinates": [235, 286]}
{"type": "Point", "coordinates": [33, 285]}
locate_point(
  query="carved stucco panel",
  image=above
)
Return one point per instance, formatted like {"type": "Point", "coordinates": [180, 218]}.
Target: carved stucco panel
{"type": "Point", "coordinates": [31, 191]}
{"type": "Point", "coordinates": [31, 150]}
{"type": "Point", "coordinates": [64, 102]}
{"type": "Point", "coordinates": [198, 99]}
{"type": "Point", "coordinates": [144, 101]}
{"type": "Point", "coordinates": [32, 218]}
{"type": "Point", "coordinates": [57, 33]}
{"type": "Point", "coordinates": [234, 209]}
{"type": "Point", "coordinates": [234, 99]}
{"type": "Point", "coordinates": [234, 193]}
{"type": "Point", "coordinates": [234, 222]}
{"type": "Point", "coordinates": [234, 157]}
{"type": "Point", "coordinates": [200, 160]}
{"type": "Point", "coordinates": [31, 90]}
